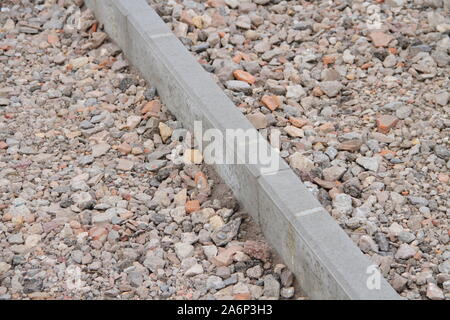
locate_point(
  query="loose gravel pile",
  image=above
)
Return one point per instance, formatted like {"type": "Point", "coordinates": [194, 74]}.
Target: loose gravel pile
{"type": "Point", "coordinates": [359, 90]}
{"type": "Point", "coordinates": [100, 197]}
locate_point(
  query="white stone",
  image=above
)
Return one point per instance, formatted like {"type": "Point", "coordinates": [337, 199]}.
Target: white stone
{"type": "Point", "coordinates": [32, 240]}
{"type": "Point", "coordinates": [295, 92]}
{"type": "Point", "coordinates": [196, 269]}
{"type": "Point", "coordinates": [184, 250]}
{"type": "Point", "coordinates": [210, 251]}
{"type": "Point", "coordinates": [368, 163]}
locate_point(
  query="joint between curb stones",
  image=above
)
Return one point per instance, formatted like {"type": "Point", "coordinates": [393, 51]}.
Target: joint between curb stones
{"type": "Point", "coordinates": [161, 35]}
{"type": "Point", "coordinates": [308, 212]}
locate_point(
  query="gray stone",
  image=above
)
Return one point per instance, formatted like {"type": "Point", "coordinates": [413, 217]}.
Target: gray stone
{"type": "Point", "coordinates": [195, 270]}
{"type": "Point", "coordinates": [333, 173]}
{"type": "Point", "coordinates": [153, 263]}
{"type": "Point", "coordinates": [342, 203]}
{"type": "Point", "coordinates": [214, 282]}
{"type": "Point", "coordinates": [442, 152]}
{"type": "Point", "coordinates": [368, 163]}
{"type": "Point", "coordinates": [383, 243]}
{"type": "Point", "coordinates": [445, 285]}
{"type": "Point", "coordinates": [331, 88]}
{"type": "Point", "coordinates": [295, 92]}
{"type": "Point", "coordinates": [405, 251]}
{"type": "Point", "coordinates": [83, 200]}
{"type": "Point", "coordinates": [366, 244]}
{"type": "Point", "coordinates": [16, 238]}
{"type": "Point", "coordinates": [155, 165]}
{"type": "Point", "coordinates": [442, 98]}
{"type": "Point", "coordinates": [226, 233]}
{"type": "Point", "coordinates": [31, 285]}
{"type": "Point", "coordinates": [76, 256]}
{"type": "Point", "coordinates": [399, 283]}
{"type": "Point", "coordinates": [184, 250]}
{"type": "Point", "coordinates": [85, 160]}
{"type": "Point", "coordinates": [256, 272]}
{"type": "Point", "coordinates": [418, 201]}
{"type": "Point", "coordinates": [406, 237]}
{"type": "Point", "coordinates": [444, 267]}
{"type": "Point", "coordinates": [390, 61]}
{"type": "Point", "coordinates": [403, 112]}
{"type": "Point", "coordinates": [271, 287]}
{"type": "Point", "coordinates": [124, 164]}
{"type": "Point", "coordinates": [239, 86]}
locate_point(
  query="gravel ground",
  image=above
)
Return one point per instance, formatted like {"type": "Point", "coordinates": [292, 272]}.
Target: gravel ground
{"type": "Point", "coordinates": [360, 91]}
{"type": "Point", "coordinates": [94, 202]}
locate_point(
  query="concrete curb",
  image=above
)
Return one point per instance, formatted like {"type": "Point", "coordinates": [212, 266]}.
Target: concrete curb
{"type": "Point", "coordinates": [323, 258]}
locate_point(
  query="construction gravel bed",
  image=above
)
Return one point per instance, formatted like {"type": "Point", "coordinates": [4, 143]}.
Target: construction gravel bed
{"type": "Point", "coordinates": [101, 196]}
{"type": "Point", "coordinates": [359, 91]}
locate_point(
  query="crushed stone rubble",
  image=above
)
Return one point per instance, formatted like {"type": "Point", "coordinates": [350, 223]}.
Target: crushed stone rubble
{"type": "Point", "coordinates": [100, 196]}
{"type": "Point", "coordinates": [359, 91]}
